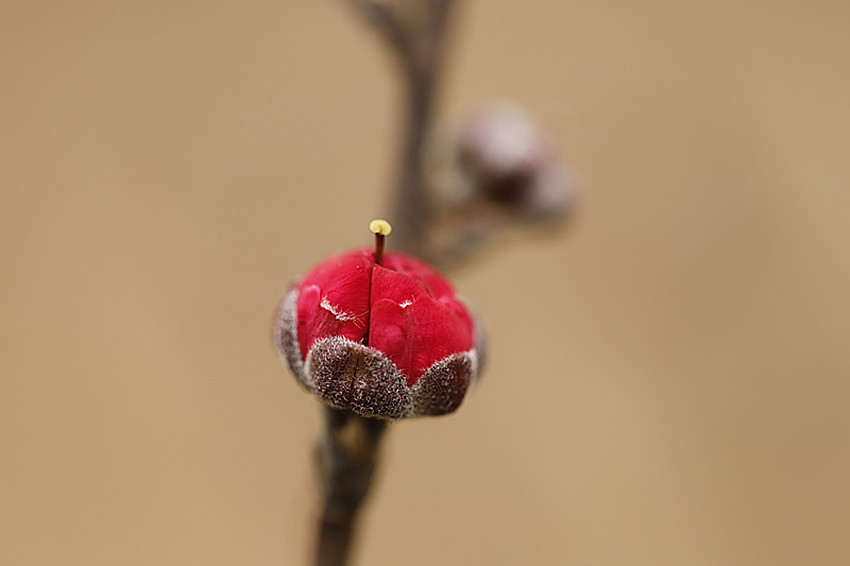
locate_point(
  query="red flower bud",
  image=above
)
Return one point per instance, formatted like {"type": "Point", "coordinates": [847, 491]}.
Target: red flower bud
{"type": "Point", "coordinates": [388, 339]}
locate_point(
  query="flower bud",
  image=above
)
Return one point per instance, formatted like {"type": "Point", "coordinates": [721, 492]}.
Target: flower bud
{"type": "Point", "coordinates": [511, 164]}
{"type": "Point", "coordinates": [389, 339]}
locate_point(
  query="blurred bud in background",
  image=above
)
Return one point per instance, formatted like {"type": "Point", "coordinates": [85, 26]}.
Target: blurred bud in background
{"type": "Point", "coordinates": [497, 170]}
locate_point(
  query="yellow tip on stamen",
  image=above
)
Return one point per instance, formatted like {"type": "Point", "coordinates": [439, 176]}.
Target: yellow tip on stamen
{"type": "Point", "coordinates": [380, 226]}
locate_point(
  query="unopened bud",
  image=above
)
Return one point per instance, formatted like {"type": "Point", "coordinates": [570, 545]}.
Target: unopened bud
{"type": "Point", "coordinates": [382, 340]}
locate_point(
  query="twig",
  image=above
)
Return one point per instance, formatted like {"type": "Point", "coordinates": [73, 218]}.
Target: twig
{"type": "Point", "coordinates": [424, 70]}
{"type": "Point", "coordinates": [347, 453]}
{"type": "Point", "coordinates": [418, 45]}
{"type": "Point", "coordinates": [346, 457]}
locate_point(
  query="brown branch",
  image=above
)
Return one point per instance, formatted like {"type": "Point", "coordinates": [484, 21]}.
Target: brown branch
{"type": "Point", "coordinates": [347, 453]}
{"type": "Point", "coordinates": [416, 33]}
{"type": "Point", "coordinates": [413, 208]}
{"type": "Point", "coordinates": [389, 24]}
{"type": "Point", "coordinates": [346, 457]}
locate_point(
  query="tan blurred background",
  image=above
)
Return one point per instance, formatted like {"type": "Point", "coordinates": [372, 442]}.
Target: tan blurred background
{"type": "Point", "coordinates": [669, 381]}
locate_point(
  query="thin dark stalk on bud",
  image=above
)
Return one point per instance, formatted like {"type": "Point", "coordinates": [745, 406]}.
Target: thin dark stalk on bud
{"type": "Point", "coordinates": [379, 248]}
{"type": "Point", "coordinates": [381, 228]}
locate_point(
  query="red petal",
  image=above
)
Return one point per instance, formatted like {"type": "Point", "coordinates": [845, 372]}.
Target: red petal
{"type": "Point", "coordinates": [417, 335]}
{"type": "Point", "coordinates": [415, 319]}
{"type": "Point", "coordinates": [398, 287]}
{"type": "Point", "coordinates": [334, 299]}
{"type": "Point", "coordinates": [343, 277]}
{"type": "Point", "coordinates": [420, 271]}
